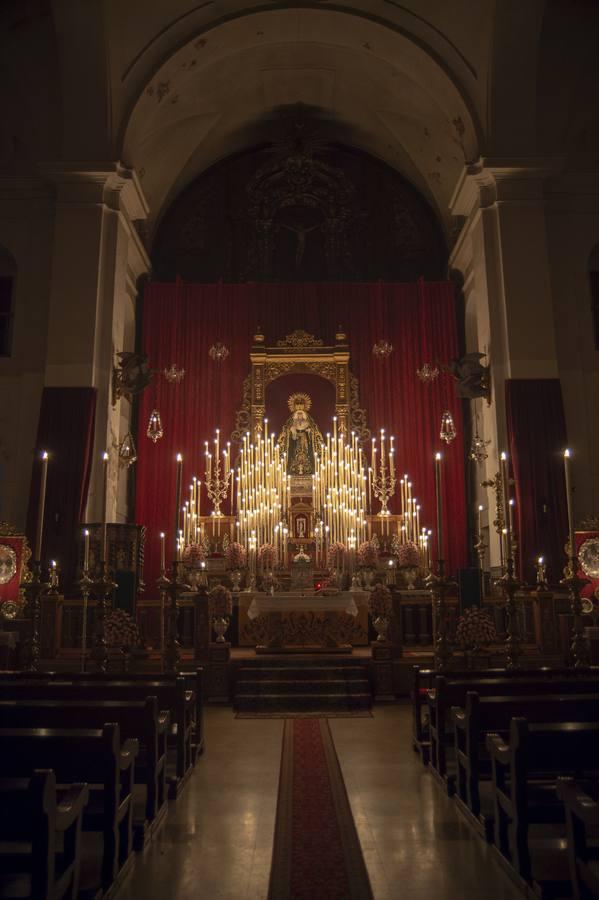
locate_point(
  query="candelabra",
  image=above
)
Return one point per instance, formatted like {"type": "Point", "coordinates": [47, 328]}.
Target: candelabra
{"type": "Point", "coordinates": [171, 648]}
{"type": "Point", "coordinates": [541, 574]}
{"type": "Point", "coordinates": [86, 584]}
{"type": "Point", "coordinates": [440, 586]}
{"type": "Point", "coordinates": [383, 477]}
{"type": "Point", "coordinates": [103, 589]}
{"type": "Point", "coordinates": [509, 585]}
{"type": "Point", "coordinates": [579, 647]}
{"type": "Point", "coordinates": [34, 590]}
{"type": "Point", "coordinates": [499, 521]}
{"type": "Point", "coordinates": [217, 479]}
{"type": "Point", "coordinates": [481, 548]}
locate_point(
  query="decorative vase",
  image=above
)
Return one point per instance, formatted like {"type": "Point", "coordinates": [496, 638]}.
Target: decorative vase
{"type": "Point", "coordinates": [236, 581]}
{"type": "Point", "coordinates": [220, 625]}
{"type": "Point", "coordinates": [410, 574]}
{"type": "Point", "coordinates": [381, 626]}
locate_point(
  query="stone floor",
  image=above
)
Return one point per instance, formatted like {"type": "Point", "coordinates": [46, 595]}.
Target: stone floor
{"type": "Point", "coordinates": [217, 841]}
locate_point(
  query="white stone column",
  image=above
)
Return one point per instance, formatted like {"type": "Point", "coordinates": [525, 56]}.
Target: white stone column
{"type": "Point", "coordinates": [503, 256]}
{"type": "Point", "coordinates": [97, 258]}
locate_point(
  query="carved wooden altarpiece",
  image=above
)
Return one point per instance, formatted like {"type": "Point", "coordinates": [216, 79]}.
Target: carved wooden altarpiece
{"type": "Point", "coordinates": [300, 352]}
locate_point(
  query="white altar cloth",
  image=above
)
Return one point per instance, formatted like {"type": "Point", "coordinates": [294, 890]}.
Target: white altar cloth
{"type": "Point", "coordinates": [265, 603]}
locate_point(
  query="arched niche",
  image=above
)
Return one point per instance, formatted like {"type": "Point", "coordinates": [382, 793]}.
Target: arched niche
{"type": "Point", "coordinates": [300, 353]}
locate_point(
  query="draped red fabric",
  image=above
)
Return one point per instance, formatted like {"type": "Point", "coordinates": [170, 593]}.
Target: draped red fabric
{"type": "Point", "coordinates": [182, 321]}
{"type": "Point", "coordinates": [537, 437]}
{"type": "Point", "coordinates": [66, 431]}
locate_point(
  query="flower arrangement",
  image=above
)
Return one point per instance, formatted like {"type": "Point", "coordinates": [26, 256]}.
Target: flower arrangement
{"type": "Point", "coordinates": [335, 555]}
{"type": "Point", "coordinates": [408, 555]}
{"type": "Point", "coordinates": [267, 556]}
{"type": "Point", "coordinates": [368, 553]}
{"type": "Point", "coordinates": [120, 629]}
{"type": "Point", "coordinates": [236, 555]}
{"type": "Point", "coordinates": [220, 602]}
{"type": "Point", "coordinates": [380, 602]}
{"type": "Point", "coordinates": [193, 556]}
{"type": "Point", "coordinates": [475, 629]}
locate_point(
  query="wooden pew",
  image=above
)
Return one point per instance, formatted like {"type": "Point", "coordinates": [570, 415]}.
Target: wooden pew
{"type": "Point", "coordinates": [482, 715]}
{"type": "Point", "coordinates": [525, 776]}
{"type": "Point", "coordinates": [423, 680]}
{"type": "Point", "coordinates": [582, 817]}
{"type": "Point", "coordinates": [172, 696]}
{"type": "Point", "coordinates": [194, 681]}
{"type": "Point", "coordinates": [141, 720]}
{"type": "Point", "coordinates": [448, 693]}
{"type": "Point", "coordinates": [92, 756]}
{"type": "Point", "coordinates": [40, 837]}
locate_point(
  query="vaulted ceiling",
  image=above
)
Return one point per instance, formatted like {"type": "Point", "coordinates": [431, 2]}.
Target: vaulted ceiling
{"type": "Point", "coordinates": [172, 86]}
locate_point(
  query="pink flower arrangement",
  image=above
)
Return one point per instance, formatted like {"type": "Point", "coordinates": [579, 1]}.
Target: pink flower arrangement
{"type": "Point", "coordinates": [267, 556]}
{"type": "Point", "coordinates": [475, 629]}
{"type": "Point", "coordinates": [193, 556]}
{"type": "Point", "coordinates": [220, 602]}
{"type": "Point", "coordinates": [335, 554]}
{"type": "Point", "coordinates": [408, 555]}
{"type": "Point", "coordinates": [120, 629]}
{"type": "Point", "coordinates": [380, 602]}
{"type": "Point", "coordinates": [367, 554]}
{"type": "Point", "coordinates": [236, 555]}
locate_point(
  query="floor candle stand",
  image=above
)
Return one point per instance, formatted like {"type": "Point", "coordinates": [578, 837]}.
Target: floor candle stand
{"type": "Point", "coordinates": [86, 585]}
{"type": "Point", "coordinates": [513, 647]}
{"type": "Point", "coordinates": [171, 589]}
{"type": "Point", "coordinates": [580, 655]}
{"type": "Point", "coordinates": [103, 590]}
{"type": "Point", "coordinates": [440, 586]}
{"type": "Point", "coordinates": [34, 590]}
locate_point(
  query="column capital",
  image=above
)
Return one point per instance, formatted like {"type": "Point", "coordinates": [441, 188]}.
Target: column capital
{"type": "Point", "coordinates": [492, 180]}
{"type": "Point", "coordinates": [109, 183]}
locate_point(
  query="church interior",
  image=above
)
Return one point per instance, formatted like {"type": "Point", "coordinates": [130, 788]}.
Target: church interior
{"type": "Point", "coordinates": [299, 507]}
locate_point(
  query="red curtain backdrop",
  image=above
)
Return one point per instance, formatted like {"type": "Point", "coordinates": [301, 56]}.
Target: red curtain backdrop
{"type": "Point", "coordinates": [182, 321]}
{"type": "Point", "coordinates": [66, 431]}
{"type": "Point", "coordinates": [537, 438]}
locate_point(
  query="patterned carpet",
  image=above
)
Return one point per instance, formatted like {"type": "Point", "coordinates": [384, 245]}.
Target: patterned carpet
{"type": "Point", "coordinates": [316, 854]}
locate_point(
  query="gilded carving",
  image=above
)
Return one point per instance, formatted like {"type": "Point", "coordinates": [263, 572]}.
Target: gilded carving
{"type": "Point", "coordinates": [243, 416]}
{"type": "Point", "coordinates": [357, 419]}
{"type": "Point", "coordinates": [299, 339]}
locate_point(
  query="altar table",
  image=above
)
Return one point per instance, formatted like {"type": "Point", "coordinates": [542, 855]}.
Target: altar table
{"type": "Point", "coordinates": [302, 610]}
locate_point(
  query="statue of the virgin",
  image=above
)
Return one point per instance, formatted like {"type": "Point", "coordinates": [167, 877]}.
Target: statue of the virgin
{"type": "Point", "coordinates": [300, 438]}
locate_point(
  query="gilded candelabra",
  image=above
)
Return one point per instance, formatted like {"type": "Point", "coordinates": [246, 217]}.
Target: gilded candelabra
{"type": "Point", "coordinates": [440, 585]}
{"type": "Point", "coordinates": [103, 589]}
{"type": "Point", "coordinates": [383, 474]}
{"type": "Point", "coordinates": [171, 587]}
{"type": "Point", "coordinates": [86, 584]}
{"type": "Point", "coordinates": [509, 585]}
{"type": "Point", "coordinates": [579, 647]}
{"type": "Point", "coordinates": [218, 475]}
{"type": "Point", "coordinates": [499, 520]}
{"type": "Point", "coordinates": [34, 590]}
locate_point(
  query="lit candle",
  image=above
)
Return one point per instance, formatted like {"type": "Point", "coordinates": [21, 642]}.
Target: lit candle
{"type": "Point", "coordinates": [162, 552]}
{"type": "Point", "coordinates": [41, 507]}
{"type": "Point", "coordinates": [567, 474]}
{"type": "Point", "coordinates": [178, 502]}
{"type": "Point", "coordinates": [86, 550]}
{"type": "Point", "coordinates": [438, 486]}
{"type": "Point", "coordinates": [104, 502]}
{"type": "Point", "coordinates": [480, 524]}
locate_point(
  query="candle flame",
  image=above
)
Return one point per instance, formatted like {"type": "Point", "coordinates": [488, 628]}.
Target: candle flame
{"type": "Point", "coordinates": [567, 454]}
{"type": "Point", "coordinates": [541, 559]}
{"type": "Point", "coordinates": [480, 508]}
{"type": "Point", "coordinates": [504, 456]}
{"type": "Point", "coordinates": [44, 454]}
{"type": "Point", "coordinates": [437, 456]}
{"type": "Point", "coordinates": [105, 456]}
{"type": "Point", "coordinates": [179, 458]}
{"type": "Point", "coordinates": [162, 535]}
{"type": "Point", "coordinates": [86, 532]}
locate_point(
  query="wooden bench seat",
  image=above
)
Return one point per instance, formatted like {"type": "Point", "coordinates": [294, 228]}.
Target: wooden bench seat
{"type": "Point", "coordinates": [582, 820]}
{"type": "Point", "coordinates": [136, 719]}
{"type": "Point", "coordinates": [172, 696]}
{"type": "Point", "coordinates": [529, 819]}
{"type": "Point", "coordinates": [91, 756]}
{"type": "Point", "coordinates": [447, 693]}
{"type": "Point", "coordinates": [40, 837]}
{"type": "Point", "coordinates": [482, 715]}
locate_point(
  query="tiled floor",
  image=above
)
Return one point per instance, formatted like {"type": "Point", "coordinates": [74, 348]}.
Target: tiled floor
{"type": "Point", "coordinates": [217, 841]}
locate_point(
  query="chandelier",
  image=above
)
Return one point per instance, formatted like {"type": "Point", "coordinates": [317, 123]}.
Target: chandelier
{"type": "Point", "coordinates": [155, 430]}
{"type": "Point", "coordinates": [174, 375]}
{"type": "Point", "coordinates": [218, 352]}
{"type": "Point", "coordinates": [478, 447]}
{"type": "Point", "coordinates": [127, 451]}
{"type": "Point", "coordinates": [428, 373]}
{"type": "Point", "coordinates": [448, 431]}
{"type": "Point", "coordinates": [382, 349]}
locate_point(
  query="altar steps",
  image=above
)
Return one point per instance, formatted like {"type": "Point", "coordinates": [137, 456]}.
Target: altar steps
{"type": "Point", "coordinates": [285, 686]}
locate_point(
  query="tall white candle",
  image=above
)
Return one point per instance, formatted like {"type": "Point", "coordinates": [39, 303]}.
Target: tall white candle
{"type": "Point", "coordinates": [41, 506]}
{"type": "Point", "coordinates": [85, 549]}
{"type": "Point", "coordinates": [104, 503]}
{"type": "Point", "coordinates": [567, 475]}
{"type": "Point", "coordinates": [162, 552]}
{"type": "Point", "coordinates": [505, 476]}
{"type": "Point", "coordinates": [178, 503]}
{"type": "Point", "coordinates": [438, 489]}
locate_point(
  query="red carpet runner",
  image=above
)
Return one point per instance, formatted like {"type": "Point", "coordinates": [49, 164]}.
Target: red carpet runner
{"type": "Point", "coordinates": [317, 854]}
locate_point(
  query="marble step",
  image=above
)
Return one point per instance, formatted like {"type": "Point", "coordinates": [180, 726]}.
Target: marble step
{"type": "Point", "coordinates": [302, 702]}
{"type": "Point", "coordinates": [299, 673]}
{"type": "Point", "coordinates": [330, 686]}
